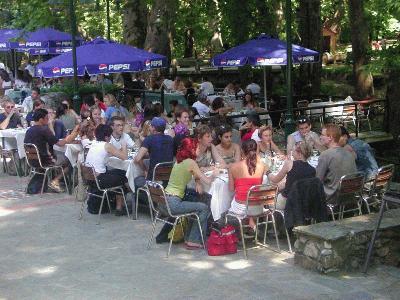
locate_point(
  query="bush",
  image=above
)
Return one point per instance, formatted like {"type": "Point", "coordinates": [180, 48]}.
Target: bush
{"type": "Point", "coordinates": [67, 87]}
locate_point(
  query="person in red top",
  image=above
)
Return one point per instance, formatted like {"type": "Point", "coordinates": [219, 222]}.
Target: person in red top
{"type": "Point", "coordinates": [252, 124]}
{"type": "Point", "coordinates": [242, 176]}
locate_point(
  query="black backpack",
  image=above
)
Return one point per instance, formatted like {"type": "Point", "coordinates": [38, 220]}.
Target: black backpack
{"type": "Point", "coordinates": [35, 184]}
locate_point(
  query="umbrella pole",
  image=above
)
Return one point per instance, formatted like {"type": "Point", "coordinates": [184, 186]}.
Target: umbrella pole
{"type": "Point", "coordinates": [265, 87]}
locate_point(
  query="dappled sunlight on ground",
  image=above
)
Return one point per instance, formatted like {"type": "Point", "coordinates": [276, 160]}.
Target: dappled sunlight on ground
{"type": "Point", "coordinates": [238, 264]}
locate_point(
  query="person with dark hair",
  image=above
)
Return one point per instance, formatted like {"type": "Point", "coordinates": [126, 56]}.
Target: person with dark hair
{"type": "Point", "coordinates": [293, 170]}
{"type": "Point", "coordinates": [158, 146]}
{"type": "Point", "coordinates": [10, 118]}
{"type": "Point", "coordinates": [218, 107]}
{"type": "Point", "coordinates": [238, 90]}
{"type": "Point", "coordinates": [118, 136]}
{"type": "Point", "coordinates": [36, 105]}
{"type": "Point", "coordinates": [98, 100]}
{"type": "Point", "coordinates": [182, 121]}
{"type": "Point", "coordinates": [304, 134]}
{"type": "Point", "coordinates": [363, 153]}
{"type": "Point", "coordinates": [202, 105]}
{"type": "Point", "coordinates": [43, 137]}
{"type": "Point", "coordinates": [182, 173]}
{"type": "Point", "coordinates": [230, 152]}
{"type": "Point", "coordinates": [67, 119]}
{"type": "Point", "coordinates": [23, 79]}
{"type": "Point", "coordinates": [334, 162]}
{"type": "Point", "coordinates": [252, 125]}
{"type": "Point", "coordinates": [207, 153]}
{"type": "Point", "coordinates": [97, 156]}
{"type": "Point", "coordinates": [275, 104]}
{"type": "Point", "coordinates": [242, 176]}
{"type": "Point", "coordinates": [172, 104]}
{"type": "Point", "coordinates": [5, 80]}
{"type": "Point", "coordinates": [56, 126]}
{"type": "Point", "coordinates": [27, 104]}
{"type": "Point", "coordinates": [248, 101]}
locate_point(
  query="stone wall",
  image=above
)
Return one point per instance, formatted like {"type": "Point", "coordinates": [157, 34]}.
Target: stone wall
{"type": "Point", "coordinates": [342, 245]}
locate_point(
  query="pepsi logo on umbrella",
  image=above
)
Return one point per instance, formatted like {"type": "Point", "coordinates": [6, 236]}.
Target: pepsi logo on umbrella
{"type": "Point", "coordinates": [103, 67]}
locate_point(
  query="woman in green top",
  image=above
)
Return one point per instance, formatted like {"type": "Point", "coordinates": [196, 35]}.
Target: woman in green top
{"type": "Point", "coordinates": [182, 172]}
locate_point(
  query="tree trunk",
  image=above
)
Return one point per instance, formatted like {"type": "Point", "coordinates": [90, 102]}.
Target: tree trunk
{"type": "Point", "coordinates": [310, 31]}
{"type": "Point", "coordinates": [134, 22]}
{"type": "Point", "coordinates": [160, 27]}
{"type": "Point", "coordinates": [392, 110]}
{"type": "Point", "coordinates": [266, 19]}
{"type": "Point", "coordinates": [359, 39]}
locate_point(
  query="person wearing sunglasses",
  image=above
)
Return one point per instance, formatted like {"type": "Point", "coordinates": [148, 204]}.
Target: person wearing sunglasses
{"type": "Point", "coordinates": [304, 134]}
{"type": "Point", "coordinates": [11, 117]}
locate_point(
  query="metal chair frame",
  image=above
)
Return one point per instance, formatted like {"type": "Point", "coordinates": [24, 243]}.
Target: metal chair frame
{"type": "Point", "coordinates": [34, 155]}
{"type": "Point", "coordinates": [349, 185]}
{"type": "Point", "coordinates": [157, 195]}
{"type": "Point", "coordinates": [4, 154]}
{"type": "Point", "coordinates": [161, 172]}
{"type": "Point", "coordinates": [380, 184]}
{"type": "Point", "coordinates": [261, 195]}
{"type": "Point", "coordinates": [89, 177]}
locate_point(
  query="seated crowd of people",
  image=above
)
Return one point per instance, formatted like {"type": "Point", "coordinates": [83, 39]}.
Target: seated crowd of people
{"type": "Point", "coordinates": [109, 129]}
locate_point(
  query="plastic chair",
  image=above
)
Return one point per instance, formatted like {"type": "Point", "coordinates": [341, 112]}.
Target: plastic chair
{"type": "Point", "coordinates": [161, 172]}
{"type": "Point", "coordinates": [349, 192]}
{"type": "Point", "coordinates": [35, 163]}
{"type": "Point", "coordinates": [157, 196]}
{"type": "Point", "coordinates": [90, 180]}
{"type": "Point", "coordinates": [379, 185]}
{"type": "Point", "coordinates": [263, 195]}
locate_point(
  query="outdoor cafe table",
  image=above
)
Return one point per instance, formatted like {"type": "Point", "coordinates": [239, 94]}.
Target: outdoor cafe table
{"type": "Point", "coordinates": [132, 169]}
{"type": "Point", "coordinates": [221, 196]}
{"type": "Point", "coordinates": [330, 109]}
{"type": "Point", "coordinates": [71, 151]}
{"type": "Point", "coordinates": [13, 138]}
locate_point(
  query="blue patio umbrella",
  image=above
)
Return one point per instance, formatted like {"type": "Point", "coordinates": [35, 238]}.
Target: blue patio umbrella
{"type": "Point", "coordinates": [47, 41]}
{"type": "Point", "coordinates": [101, 56]}
{"type": "Point", "coordinates": [263, 51]}
{"type": "Point", "coordinates": [8, 37]}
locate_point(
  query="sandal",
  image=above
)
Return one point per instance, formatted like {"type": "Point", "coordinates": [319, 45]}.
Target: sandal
{"type": "Point", "coordinates": [193, 247]}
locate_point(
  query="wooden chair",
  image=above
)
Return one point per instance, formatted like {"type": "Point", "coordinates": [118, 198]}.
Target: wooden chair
{"type": "Point", "coordinates": [35, 163]}
{"type": "Point", "coordinates": [161, 172]}
{"type": "Point", "coordinates": [90, 180]}
{"type": "Point", "coordinates": [373, 191]}
{"type": "Point", "coordinates": [348, 193]}
{"type": "Point", "coordinates": [160, 206]}
{"type": "Point", "coordinates": [258, 195]}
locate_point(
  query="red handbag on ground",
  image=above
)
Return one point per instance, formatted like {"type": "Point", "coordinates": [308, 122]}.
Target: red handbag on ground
{"type": "Point", "coordinates": [222, 242]}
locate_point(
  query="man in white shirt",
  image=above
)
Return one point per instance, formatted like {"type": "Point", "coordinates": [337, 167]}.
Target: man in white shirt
{"type": "Point", "coordinates": [118, 136]}
{"type": "Point", "coordinates": [202, 106]}
{"type": "Point", "coordinates": [207, 87]}
{"type": "Point", "coordinates": [27, 104]}
{"type": "Point", "coordinates": [304, 134]}
{"type": "Point", "coordinates": [254, 88]}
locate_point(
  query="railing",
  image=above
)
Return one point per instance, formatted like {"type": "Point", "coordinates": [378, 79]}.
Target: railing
{"type": "Point", "coordinates": [324, 115]}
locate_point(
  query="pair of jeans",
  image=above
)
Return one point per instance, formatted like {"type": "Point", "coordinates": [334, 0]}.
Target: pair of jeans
{"type": "Point", "coordinates": [177, 206]}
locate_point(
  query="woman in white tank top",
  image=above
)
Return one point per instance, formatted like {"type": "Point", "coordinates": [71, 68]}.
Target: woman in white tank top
{"type": "Point", "coordinates": [98, 153]}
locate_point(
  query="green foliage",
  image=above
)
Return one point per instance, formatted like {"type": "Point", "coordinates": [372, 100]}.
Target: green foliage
{"type": "Point", "coordinates": [67, 88]}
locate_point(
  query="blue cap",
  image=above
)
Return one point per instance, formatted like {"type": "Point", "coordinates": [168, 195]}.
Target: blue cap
{"type": "Point", "coordinates": [158, 122]}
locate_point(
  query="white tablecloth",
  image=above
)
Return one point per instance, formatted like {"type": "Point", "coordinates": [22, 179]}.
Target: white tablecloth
{"type": "Point", "coordinates": [132, 169]}
{"type": "Point", "coordinates": [14, 139]}
{"type": "Point", "coordinates": [329, 111]}
{"type": "Point", "coordinates": [72, 151]}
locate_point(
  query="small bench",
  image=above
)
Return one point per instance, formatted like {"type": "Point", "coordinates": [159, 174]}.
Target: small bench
{"type": "Point", "coordinates": [342, 245]}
